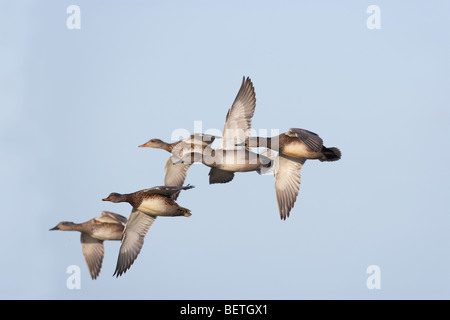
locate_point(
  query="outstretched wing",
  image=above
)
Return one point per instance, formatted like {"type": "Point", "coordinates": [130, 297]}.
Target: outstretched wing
{"type": "Point", "coordinates": [239, 117]}
{"type": "Point", "coordinates": [175, 174]}
{"type": "Point", "coordinates": [93, 252]}
{"type": "Point", "coordinates": [287, 183]}
{"type": "Point", "coordinates": [132, 240]}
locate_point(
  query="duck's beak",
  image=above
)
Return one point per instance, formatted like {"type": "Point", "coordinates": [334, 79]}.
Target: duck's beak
{"type": "Point", "coordinates": [55, 228]}
{"type": "Point", "coordinates": [106, 199]}
{"type": "Point", "coordinates": [143, 145]}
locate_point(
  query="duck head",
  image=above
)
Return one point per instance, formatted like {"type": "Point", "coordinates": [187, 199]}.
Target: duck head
{"type": "Point", "coordinates": [115, 197]}
{"type": "Point", "coordinates": [65, 225]}
{"type": "Point", "coordinates": [154, 143]}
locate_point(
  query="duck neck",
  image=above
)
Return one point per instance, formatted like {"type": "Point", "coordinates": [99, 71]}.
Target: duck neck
{"type": "Point", "coordinates": [71, 226]}
{"type": "Point", "coordinates": [169, 146]}
{"type": "Point", "coordinates": [126, 197]}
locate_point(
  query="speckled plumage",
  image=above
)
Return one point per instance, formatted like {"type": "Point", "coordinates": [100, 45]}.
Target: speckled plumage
{"type": "Point", "coordinates": [147, 205]}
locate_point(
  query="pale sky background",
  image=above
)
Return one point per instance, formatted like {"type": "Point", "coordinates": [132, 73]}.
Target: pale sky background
{"type": "Point", "coordinates": [75, 104]}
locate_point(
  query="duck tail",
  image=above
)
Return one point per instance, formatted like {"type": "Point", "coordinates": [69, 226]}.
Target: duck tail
{"type": "Point", "coordinates": [184, 212]}
{"type": "Point", "coordinates": [330, 154]}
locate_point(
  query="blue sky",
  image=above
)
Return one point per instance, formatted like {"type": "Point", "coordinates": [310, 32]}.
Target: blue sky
{"type": "Point", "coordinates": [75, 104]}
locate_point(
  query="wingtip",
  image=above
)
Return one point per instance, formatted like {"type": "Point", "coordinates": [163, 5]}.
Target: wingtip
{"type": "Point", "coordinates": [118, 273]}
{"type": "Point", "coordinates": [246, 79]}
{"type": "Point", "coordinates": [120, 270]}
{"type": "Point", "coordinates": [284, 213]}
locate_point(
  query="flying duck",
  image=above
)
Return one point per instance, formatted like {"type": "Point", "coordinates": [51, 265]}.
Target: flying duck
{"type": "Point", "coordinates": [147, 205]}
{"type": "Point", "coordinates": [175, 171]}
{"type": "Point", "coordinates": [231, 156]}
{"type": "Point", "coordinates": [107, 226]}
{"type": "Point", "coordinates": [294, 147]}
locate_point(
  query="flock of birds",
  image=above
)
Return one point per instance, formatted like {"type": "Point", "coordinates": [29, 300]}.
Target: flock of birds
{"type": "Point", "coordinates": [292, 149]}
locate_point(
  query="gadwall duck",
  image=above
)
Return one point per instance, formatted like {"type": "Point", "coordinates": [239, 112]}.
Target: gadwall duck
{"type": "Point", "coordinates": [194, 143]}
{"type": "Point", "coordinates": [294, 147]}
{"type": "Point", "coordinates": [107, 226]}
{"type": "Point", "coordinates": [230, 156]}
{"type": "Point", "coordinates": [147, 205]}
{"type": "Point", "coordinates": [174, 170]}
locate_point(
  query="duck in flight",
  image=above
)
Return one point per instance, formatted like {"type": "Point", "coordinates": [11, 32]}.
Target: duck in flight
{"type": "Point", "coordinates": [231, 156]}
{"type": "Point", "coordinates": [107, 226]}
{"type": "Point", "coordinates": [147, 205]}
{"type": "Point", "coordinates": [294, 148]}
{"type": "Point", "coordinates": [175, 171]}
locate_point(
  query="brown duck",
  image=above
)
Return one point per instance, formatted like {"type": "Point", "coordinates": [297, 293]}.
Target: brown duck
{"type": "Point", "coordinates": [147, 205]}
{"type": "Point", "coordinates": [294, 147]}
{"type": "Point", "coordinates": [107, 226]}
{"type": "Point", "coordinates": [231, 156]}
{"type": "Point", "coordinates": [174, 171]}
{"type": "Point", "coordinates": [194, 143]}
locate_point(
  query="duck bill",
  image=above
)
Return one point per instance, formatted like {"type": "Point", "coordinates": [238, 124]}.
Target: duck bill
{"type": "Point", "coordinates": [106, 199]}
{"type": "Point", "coordinates": [143, 145]}
{"type": "Point", "coordinates": [55, 228]}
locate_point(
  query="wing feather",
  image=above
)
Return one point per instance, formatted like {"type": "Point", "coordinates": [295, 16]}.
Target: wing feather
{"type": "Point", "coordinates": [238, 121]}
{"type": "Point", "coordinates": [175, 174]}
{"type": "Point", "coordinates": [167, 191]}
{"type": "Point", "coordinates": [311, 139]}
{"type": "Point", "coordinates": [132, 240]}
{"type": "Point", "coordinates": [111, 217]}
{"type": "Point", "coordinates": [93, 252]}
{"type": "Point", "coordinates": [287, 183]}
